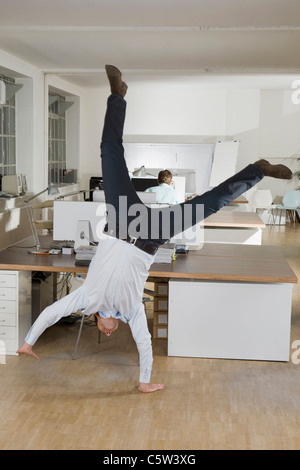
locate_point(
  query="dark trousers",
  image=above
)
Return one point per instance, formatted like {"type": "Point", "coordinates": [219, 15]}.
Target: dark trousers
{"type": "Point", "coordinates": [128, 214]}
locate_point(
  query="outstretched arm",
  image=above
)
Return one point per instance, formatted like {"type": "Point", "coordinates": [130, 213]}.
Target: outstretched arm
{"type": "Point", "coordinates": [50, 315]}
{"type": "Point", "coordinates": [142, 337]}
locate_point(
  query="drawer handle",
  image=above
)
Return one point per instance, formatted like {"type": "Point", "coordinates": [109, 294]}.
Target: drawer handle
{"type": "Point", "coordinates": [2, 334]}
{"type": "Point", "coordinates": [2, 308]}
{"type": "Point", "coordinates": [2, 321]}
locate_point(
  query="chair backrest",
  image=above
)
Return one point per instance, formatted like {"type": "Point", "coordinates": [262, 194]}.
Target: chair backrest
{"type": "Point", "coordinates": [262, 197]}
{"type": "Point", "coordinates": [291, 199]}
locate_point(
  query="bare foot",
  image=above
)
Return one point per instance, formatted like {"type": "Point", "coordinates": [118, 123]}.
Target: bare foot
{"type": "Point", "coordinates": [148, 388]}
{"type": "Point", "coordinates": [27, 350]}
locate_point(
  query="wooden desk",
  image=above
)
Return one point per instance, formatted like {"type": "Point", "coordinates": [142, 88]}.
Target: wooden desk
{"type": "Point", "coordinates": [17, 258]}
{"type": "Point", "coordinates": [217, 262]}
{"type": "Point", "coordinates": [240, 200]}
{"type": "Point", "coordinates": [233, 227]}
{"type": "Point", "coordinates": [224, 262]}
{"type": "Point", "coordinates": [235, 300]}
{"type": "Point", "coordinates": [238, 307]}
{"type": "Point", "coordinates": [234, 219]}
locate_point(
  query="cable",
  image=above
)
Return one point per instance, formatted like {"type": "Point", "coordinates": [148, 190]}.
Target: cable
{"type": "Point", "coordinates": [83, 236]}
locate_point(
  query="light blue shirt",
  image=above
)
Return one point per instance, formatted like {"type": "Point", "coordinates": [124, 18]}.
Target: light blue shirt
{"type": "Point", "coordinates": [165, 194]}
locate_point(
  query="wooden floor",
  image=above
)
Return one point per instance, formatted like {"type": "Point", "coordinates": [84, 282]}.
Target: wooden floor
{"type": "Point", "coordinates": [93, 403]}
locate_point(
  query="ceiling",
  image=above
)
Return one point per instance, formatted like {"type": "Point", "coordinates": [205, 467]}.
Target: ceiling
{"type": "Point", "coordinates": [190, 40]}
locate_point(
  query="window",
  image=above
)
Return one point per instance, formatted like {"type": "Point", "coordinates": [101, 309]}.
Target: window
{"type": "Point", "coordinates": [56, 138]}
{"type": "Point", "coordinates": [8, 132]}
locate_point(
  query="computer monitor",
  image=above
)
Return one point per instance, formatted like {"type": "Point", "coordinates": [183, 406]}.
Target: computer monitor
{"type": "Point", "coordinates": [192, 238]}
{"type": "Point", "coordinates": [98, 195]}
{"type": "Point", "coordinates": [96, 182]}
{"type": "Point", "coordinates": [146, 198]}
{"type": "Point", "coordinates": [71, 219]}
{"type": "Point", "coordinates": [141, 184]}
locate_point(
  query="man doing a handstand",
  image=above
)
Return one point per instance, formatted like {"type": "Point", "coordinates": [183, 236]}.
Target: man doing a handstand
{"type": "Point", "coordinates": [114, 285]}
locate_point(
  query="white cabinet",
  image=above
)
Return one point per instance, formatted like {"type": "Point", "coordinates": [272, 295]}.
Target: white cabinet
{"type": "Point", "coordinates": [229, 320]}
{"type": "Point", "coordinates": [15, 309]}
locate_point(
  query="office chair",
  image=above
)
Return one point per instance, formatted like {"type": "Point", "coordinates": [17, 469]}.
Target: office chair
{"type": "Point", "coordinates": [263, 200]}
{"type": "Point", "coordinates": [83, 317]}
{"type": "Point", "coordinates": [290, 203]}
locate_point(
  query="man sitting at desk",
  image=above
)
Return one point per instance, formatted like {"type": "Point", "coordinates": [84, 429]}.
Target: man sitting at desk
{"type": "Point", "coordinates": [165, 193]}
{"type": "Point", "coordinates": [114, 285]}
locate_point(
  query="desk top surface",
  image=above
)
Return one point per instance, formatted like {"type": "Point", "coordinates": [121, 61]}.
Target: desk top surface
{"type": "Point", "coordinates": [240, 200]}
{"type": "Point", "coordinates": [230, 262]}
{"type": "Point", "coordinates": [224, 262]}
{"type": "Point", "coordinates": [234, 219]}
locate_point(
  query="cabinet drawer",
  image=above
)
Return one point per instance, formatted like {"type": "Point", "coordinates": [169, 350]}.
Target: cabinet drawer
{"type": "Point", "coordinates": [8, 280]}
{"type": "Point", "coordinates": [8, 306]}
{"type": "Point", "coordinates": [8, 347]}
{"type": "Point", "coordinates": [160, 318]}
{"type": "Point", "coordinates": [7, 293]}
{"type": "Point", "coordinates": [7, 320]}
{"type": "Point", "coordinates": [161, 289]}
{"type": "Point", "coordinates": [160, 332]}
{"type": "Point", "coordinates": [161, 303]}
{"type": "Point", "coordinates": [7, 332]}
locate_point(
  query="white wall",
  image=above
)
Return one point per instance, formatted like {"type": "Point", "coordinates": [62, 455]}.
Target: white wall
{"type": "Point", "coordinates": [276, 137]}
{"type": "Point", "coordinates": [32, 139]}
{"type": "Point", "coordinates": [29, 146]}
{"type": "Point", "coordinates": [75, 121]}
{"type": "Point", "coordinates": [174, 110]}
{"type": "Point", "coordinates": [156, 113]}
{"type": "Point", "coordinates": [92, 115]}
{"type": "Point", "coordinates": [30, 120]}
{"type": "Point", "coordinates": [264, 121]}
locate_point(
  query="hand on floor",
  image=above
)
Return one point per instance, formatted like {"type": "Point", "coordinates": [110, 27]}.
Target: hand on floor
{"type": "Point", "coordinates": [27, 350]}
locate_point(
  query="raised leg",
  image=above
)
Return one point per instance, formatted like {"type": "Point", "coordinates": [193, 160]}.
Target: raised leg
{"type": "Point", "coordinates": [187, 214]}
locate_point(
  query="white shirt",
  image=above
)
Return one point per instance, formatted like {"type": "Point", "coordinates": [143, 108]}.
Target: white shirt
{"type": "Point", "coordinates": [114, 287]}
{"type": "Point", "coordinates": [165, 194]}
